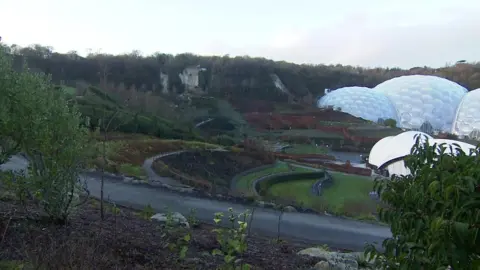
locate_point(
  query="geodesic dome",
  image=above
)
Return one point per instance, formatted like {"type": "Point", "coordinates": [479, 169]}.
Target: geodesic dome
{"type": "Point", "coordinates": [360, 102]}
{"type": "Point", "coordinates": [420, 98]}
{"type": "Point", "coordinates": [467, 118]}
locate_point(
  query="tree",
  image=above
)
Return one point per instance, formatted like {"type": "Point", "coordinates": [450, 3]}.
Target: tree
{"type": "Point", "coordinates": [390, 122]}
{"type": "Point", "coordinates": [37, 120]}
{"type": "Point", "coordinates": [434, 214]}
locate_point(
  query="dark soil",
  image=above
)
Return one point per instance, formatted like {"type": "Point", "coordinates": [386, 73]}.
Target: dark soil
{"type": "Point", "coordinates": [123, 240]}
{"type": "Point", "coordinates": [218, 167]}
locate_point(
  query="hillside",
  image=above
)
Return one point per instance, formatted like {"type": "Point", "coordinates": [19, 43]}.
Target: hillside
{"type": "Point", "coordinates": [240, 79]}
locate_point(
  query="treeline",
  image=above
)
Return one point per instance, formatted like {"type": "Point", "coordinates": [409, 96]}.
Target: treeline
{"type": "Point", "coordinates": [238, 77]}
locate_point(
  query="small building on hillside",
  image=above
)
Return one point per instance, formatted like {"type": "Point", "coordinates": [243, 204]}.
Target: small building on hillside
{"type": "Point", "coordinates": [387, 155]}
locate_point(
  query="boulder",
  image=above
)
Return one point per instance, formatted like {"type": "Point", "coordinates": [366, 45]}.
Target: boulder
{"type": "Point", "coordinates": [332, 260]}
{"type": "Point", "coordinates": [289, 208]}
{"type": "Point", "coordinates": [176, 218]}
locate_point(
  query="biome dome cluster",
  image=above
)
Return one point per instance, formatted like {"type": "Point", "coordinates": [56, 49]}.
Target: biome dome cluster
{"type": "Point", "coordinates": [467, 118]}
{"type": "Point", "coordinates": [360, 101]}
{"type": "Point", "coordinates": [411, 101]}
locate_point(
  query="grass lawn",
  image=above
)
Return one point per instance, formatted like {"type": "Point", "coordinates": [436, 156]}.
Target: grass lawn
{"type": "Point", "coordinates": [244, 184]}
{"type": "Point", "coordinates": [347, 196]}
{"type": "Point", "coordinates": [306, 149]}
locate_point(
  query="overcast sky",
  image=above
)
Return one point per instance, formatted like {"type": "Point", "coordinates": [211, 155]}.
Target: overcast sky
{"type": "Point", "coordinates": [371, 33]}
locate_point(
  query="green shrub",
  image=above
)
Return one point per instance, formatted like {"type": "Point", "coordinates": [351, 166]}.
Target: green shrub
{"type": "Point", "coordinates": [36, 119]}
{"type": "Point", "coordinates": [434, 214]}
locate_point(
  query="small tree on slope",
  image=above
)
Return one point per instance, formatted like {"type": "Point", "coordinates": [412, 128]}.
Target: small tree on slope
{"type": "Point", "coordinates": [434, 214]}
{"type": "Point", "coordinates": [36, 119]}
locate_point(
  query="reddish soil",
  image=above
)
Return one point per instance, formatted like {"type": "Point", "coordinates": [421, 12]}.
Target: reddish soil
{"type": "Point", "coordinates": [135, 152]}
{"type": "Point", "coordinates": [122, 240]}
{"type": "Point", "coordinates": [298, 120]}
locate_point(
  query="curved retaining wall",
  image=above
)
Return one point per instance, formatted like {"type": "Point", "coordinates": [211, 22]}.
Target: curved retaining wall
{"type": "Point", "coordinates": [260, 185]}
{"type": "Point", "coordinates": [233, 182]}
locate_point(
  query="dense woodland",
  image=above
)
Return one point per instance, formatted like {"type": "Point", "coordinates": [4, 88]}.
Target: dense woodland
{"type": "Point", "coordinates": [238, 77]}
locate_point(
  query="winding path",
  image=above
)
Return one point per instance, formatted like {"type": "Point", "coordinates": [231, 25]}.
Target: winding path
{"type": "Point", "coordinates": [314, 229]}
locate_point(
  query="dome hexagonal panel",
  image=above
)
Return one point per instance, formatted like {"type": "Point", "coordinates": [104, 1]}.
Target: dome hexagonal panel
{"type": "Point", "coordinates": [420, 98]}
{"type": "Point", "coordinates": [360, 102]}
{"type": "Point", "coordinates": [467, 118]}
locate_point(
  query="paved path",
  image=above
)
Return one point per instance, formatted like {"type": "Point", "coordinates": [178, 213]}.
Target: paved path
{"type": "Point", "coordinates": [153, 177]}
{"type": "Point", "coordinates": [315, 229]}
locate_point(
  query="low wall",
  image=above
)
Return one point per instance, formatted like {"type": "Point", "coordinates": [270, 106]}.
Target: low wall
{"type": "Point", "coordinates": [349, 169]}
{"type": "Point", "coordinates": [261, 185]}
{"type": "Point", "coordinates": [233, 182]}
{"type": "Point", "coordinates": [302, 156]}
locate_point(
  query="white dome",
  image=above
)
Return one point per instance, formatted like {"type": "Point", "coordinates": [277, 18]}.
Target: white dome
{"type": "Point", "coordinates": [467, 118]}
{"type": "Point", "coordinates": [360, 102]}
{"type": "Point", "coordinates": [421, 98]}
{"type": "Point", "coordinates": [389, 152]}
{"type": "Point", "coordinates": [394, 147]}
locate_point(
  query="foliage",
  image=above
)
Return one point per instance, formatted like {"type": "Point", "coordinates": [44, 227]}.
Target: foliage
{"type": "Point", "coordinates": [390, 122]}
{"type": "Point", "coordinates": [223, 140]}
{"type": "Point", "coordinates": [233, 241]}
{"type": "Point", "coordinates": [240, 78]}
{"type": "Point", "coordinates": [36, 119]}
{"type": "Point", "coordinates": [434, 214]}
{"type": "Point", "coordinates": [98, 106]}
{"type": "Point", "coordinates": [147, 212]}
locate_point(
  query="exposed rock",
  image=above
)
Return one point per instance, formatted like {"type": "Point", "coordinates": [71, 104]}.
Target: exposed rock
{"type": "Point", "coordinates": [322, 265]}
{"type": "Point", "coordinates": [179, 189]}
{"type": "Point", "coordinates": [128, 179]}
{"type": "Point", "coordinates": [265, 204]}
{"type": "Point", "coordinates": [335, 260]}
{"type": "Point", "coordinates": [176, 217]}
{"type": "Point", "coordinates": [289, 208]}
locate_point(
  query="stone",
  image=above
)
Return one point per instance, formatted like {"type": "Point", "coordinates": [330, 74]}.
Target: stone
{"type": "Point", "coordinates": [335, 260]}
{"type": "Point", "coordinates": [176, 217]}
{"type": "Point", "coordinates": [322, 265]}
{"type": "Point", "coordinates": [127, 179]}
{"type": "Point", "coordinates": [289, 208]}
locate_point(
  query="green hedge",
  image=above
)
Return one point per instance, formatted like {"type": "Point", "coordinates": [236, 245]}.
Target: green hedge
{"type": "Point", "coordinates": [263, 184]}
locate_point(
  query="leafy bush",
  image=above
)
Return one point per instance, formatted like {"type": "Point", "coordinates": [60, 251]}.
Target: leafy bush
{"type": "Point", "coordinates": [434, 214]}
{"type": "Point", "coordinates": [35, 119]}
{"type": "Point", "coordinates": [390, 122]}
{"type": "Point", "coordinates": [223, 140]}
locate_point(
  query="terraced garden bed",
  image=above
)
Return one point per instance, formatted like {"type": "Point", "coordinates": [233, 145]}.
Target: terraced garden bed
{"type": "Point", "coordinates": [216, 167]}
{"type": "Point", "coordinates": [125, 153]}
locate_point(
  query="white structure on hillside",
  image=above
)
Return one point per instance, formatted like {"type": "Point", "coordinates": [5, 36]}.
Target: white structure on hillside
{"type": "Point", "coordinates": [361, 102]}
{"type": "Point", "coordinates": [190, 77]}
{"type": "Point", "coordinates": [420, 98]}
{"type": "Point", "coordinates": [467, 117]}
{"type": "Point", "coordinates": [389, 153]}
